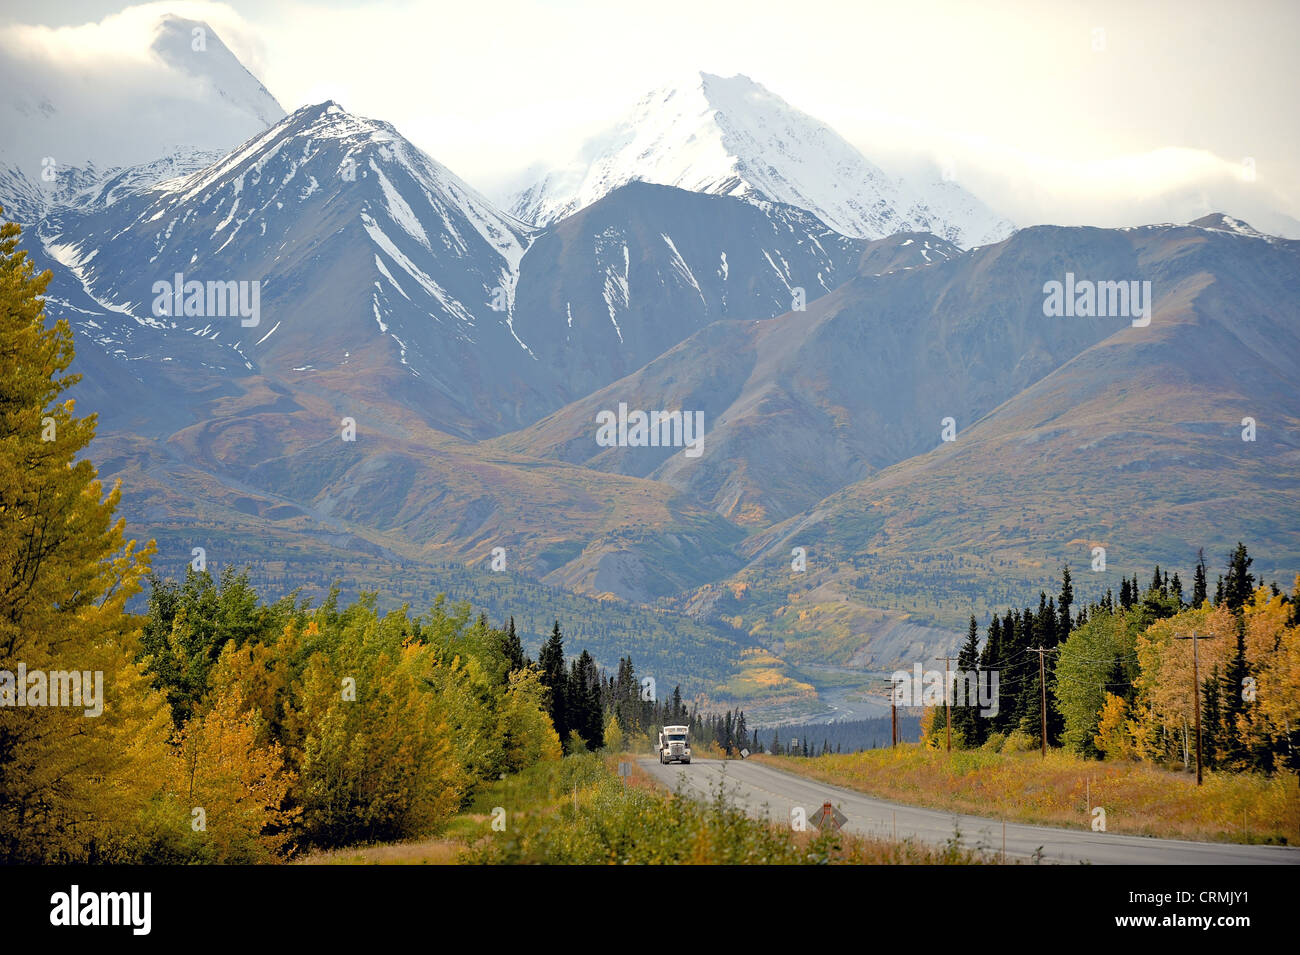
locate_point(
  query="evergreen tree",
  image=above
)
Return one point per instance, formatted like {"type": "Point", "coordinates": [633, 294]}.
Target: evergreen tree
{"type": "Point", "coordinates": [1211, 719]}
{"type": "Point", "coordinates": [990, 655]}
{"type": "Point", "coordinates": [582, 698]}
{"type": "Point", "coordinates": [1027, 699]}
{"type": "Point", "coordinates": [1063, 604]}
{"type": "Point", "coordinates": [1200, 593]}
{"type": "Point", "coordinates": [1240, 583]}
{"type": "Point", "coordinates": [1234, 677]}
{"type": "Point", "coordinates": [1176, 588]}
{"type": "Point", "coordinates": [965, 718]}
{"type": "Point", "coordinates": [551, 663]}
{"type": "Point", "coordinates": [512, 648]}
{"type": "Point", "coordinates": [1125, 595]}
{"type": "Point", "coordinates": [1045, 623]}
{"type": "Point", "coordinates": [1014, 672]}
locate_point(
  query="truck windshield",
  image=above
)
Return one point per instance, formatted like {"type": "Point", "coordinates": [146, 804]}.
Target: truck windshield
{"type": "Point", "coordinates": [676, 738]}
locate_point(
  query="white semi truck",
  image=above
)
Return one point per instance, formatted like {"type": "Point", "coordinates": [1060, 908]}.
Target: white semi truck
{"type": "Point", "coordinates": [674, 747]}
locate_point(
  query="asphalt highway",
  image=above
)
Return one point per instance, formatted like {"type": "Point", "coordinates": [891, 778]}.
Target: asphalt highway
{"type": "Point", "coordinates": [764, 791]}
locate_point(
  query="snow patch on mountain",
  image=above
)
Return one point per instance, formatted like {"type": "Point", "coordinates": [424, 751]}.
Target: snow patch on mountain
{"type": "Point", "coordinates": [731, 136]}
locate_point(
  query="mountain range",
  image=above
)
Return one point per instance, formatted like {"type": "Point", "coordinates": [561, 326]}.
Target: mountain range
{"type": "Point", "coordinates": [880, 382]}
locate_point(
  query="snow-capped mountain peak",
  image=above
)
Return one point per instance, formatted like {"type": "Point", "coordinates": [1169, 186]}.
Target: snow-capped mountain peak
{"type": "Point", "coordinates": [193, 48]}
{"type": "Point", "coordinates": [164, 96]}
{"type": "Point", "coordinates": [350, 240]}
{"type": "Point", "coordinates": [733, 136]}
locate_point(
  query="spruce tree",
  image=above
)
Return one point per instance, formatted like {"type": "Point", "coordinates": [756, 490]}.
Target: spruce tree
{"type": "Point", "coordinates": [551, 663]}
{"type": "Point", "coordinates": [1013, 672]}
{"type": "Point", "coordinates": [512, 648]}
{"type": "Point", "coordinates": [989, 656]}
{"type": "Point", "coordinates": [965, 718]}
{"type": "Point", "coordinates": [1027, 701]}
{"type": "Point", "coordinates": [1063, 604]}
{"type": "Point", "coordinates": [582, 698]}
{"type": "Point", "coordinates": [1200, 593]}
{"type": "Point", "coordinates": [1240, 583]}
{"type": "Point", "coordinates": [1211, 719]}
{"type": "Point", "coordinates": [1234, 677]}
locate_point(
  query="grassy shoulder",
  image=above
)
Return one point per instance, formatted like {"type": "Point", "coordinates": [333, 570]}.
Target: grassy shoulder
{"type": "Point", "coordinates": [1062, 789]}
{"type": "Point", "coordinates": [579, 811]}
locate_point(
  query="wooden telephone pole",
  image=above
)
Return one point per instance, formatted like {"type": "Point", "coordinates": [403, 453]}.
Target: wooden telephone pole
{"type": "Point", "coordinates": [1196, 693]}
{"type": "Point", "coordinates": [893, 713]}
{"type": "Point", "coordinates": [947, 709]}
{"type": "Point", "coordinates": [1042, 685]}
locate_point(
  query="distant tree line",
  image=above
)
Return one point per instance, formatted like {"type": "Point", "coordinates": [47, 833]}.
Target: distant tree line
{"type": "Point", "coordinates": [1120, 672]}
{"type": "Point", "coordinates": [846, 736]}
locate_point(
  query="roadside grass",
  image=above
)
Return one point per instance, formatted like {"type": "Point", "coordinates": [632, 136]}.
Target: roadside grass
{"type": "Point", "coordinates": [613, 820]}
{"type": "Point", "coordinates": [1138, 799]}
{"type": "Point", "coordinates": [536, 791]}
{"type": "Point", "coordinates": [439, 851]}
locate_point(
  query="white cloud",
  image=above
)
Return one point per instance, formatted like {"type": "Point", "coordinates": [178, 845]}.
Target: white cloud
{"type": "Point", "coordinates": [1039, 123]}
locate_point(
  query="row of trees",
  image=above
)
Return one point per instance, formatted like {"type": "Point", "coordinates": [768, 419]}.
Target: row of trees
{"type": "Point", "coordinates": [1120, 675]}
{"type": "Point", "coordinates": [591, 709]}
{"type": "Point", "coordinates": [216, 727]}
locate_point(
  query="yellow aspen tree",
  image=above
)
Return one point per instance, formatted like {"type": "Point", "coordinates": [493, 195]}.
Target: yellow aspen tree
{"type": "Point", "coordinates": [236, 787]}
{"type": "Point", "coordinates": [74, 779]}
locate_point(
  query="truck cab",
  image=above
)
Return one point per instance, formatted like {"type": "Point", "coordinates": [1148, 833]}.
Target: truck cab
{"type": "Point", "coordinates": [674, 746]}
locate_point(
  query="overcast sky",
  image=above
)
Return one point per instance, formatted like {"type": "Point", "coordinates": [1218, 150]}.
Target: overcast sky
{"type": "Point", "coordinates": [1097, 113]}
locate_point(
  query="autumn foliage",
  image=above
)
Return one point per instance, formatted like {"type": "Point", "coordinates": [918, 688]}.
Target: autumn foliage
{"type": "Point", "coordinates": [230, 730]}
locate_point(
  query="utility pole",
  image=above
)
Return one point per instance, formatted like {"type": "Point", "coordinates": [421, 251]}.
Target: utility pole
{"type": "Point", "coordinates": [1196, 693]}
{"type": "Point", "coordinates": [1042, 685]}
{"type": "Point", "coordinates": [893, 713]}
{"type": "Point", "coordinates": [947, 692]}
